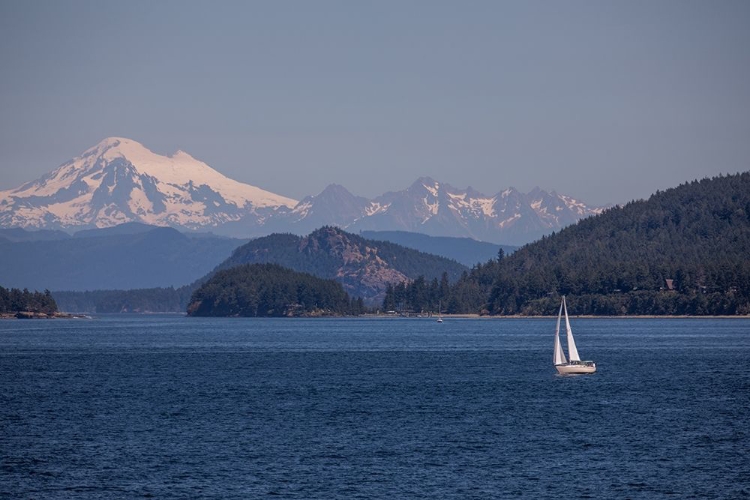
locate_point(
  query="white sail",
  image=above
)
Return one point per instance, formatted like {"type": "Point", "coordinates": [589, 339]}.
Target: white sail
{"type": "Point", "coordinates": [572, 351]}
{"type": "Point", "coordinates": [559, 357]}
{"type": "Point", "coordinates": [575, 366]}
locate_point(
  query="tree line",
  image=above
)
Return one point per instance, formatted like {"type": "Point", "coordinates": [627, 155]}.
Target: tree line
{"type": "Point", "coordinates": [270, 290]}
{"type": "Point", "coordinates": [13, 300]}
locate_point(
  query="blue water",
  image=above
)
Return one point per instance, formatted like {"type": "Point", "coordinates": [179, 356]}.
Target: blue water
{"type": "Point", "coordinates": [175, 407]}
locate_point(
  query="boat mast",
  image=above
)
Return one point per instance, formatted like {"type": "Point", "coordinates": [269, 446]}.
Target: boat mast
{"type": "Point", "coordinates": [572, 351]}
{"type": "Point", "coordinates": [559, 357]}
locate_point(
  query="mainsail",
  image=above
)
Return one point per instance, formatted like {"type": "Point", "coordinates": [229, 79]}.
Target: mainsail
{"type": "Point", "coordinates": [572, 351]}
{"type": "Point", "coordinates": [559, 355]}
{"type": "Point", "coordinates": [575, 366]}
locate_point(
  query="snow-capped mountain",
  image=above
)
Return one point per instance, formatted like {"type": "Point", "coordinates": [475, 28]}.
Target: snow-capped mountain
{"type": "Point", "coordinates": [430, 207]}
{"type": "Point", "coordinates": [335, 206]}
{"type": "Point", "coordinates": [119, 180]}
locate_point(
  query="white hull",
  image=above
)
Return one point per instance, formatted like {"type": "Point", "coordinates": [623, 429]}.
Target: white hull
{"type": "Point", "coordinates": [572, 369]}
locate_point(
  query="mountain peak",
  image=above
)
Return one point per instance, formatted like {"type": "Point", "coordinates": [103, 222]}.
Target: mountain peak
{"type": "Point", "coordinates": [425, 183]}
{"type": "Point", "coordinates": [119, 144]}
{"type": "Point", "coordinates": [115, 139]}
{"type": "Point", "coordinates": [335, 189]}
{"type": "Point", "coordinates": [182, 154]}
{"type": "Point", "coordinates": [129, 148]}
{"type": "Point", "coordinates": [120, 180]}
{"type": "Point", "coordinates": [109, 142]}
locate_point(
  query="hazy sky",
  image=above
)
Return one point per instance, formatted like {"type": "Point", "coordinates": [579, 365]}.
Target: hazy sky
{"type": "Point", "coordinates": [606, 101]}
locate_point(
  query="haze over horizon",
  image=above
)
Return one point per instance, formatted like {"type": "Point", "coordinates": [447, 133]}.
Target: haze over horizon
{"type": "Point", "coordinates": [606, 102]}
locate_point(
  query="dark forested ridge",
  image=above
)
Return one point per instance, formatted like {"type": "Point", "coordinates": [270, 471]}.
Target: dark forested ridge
{"type": "Point", "coordinates": [270, 290]}
{"type": "Point", "coordinates": [683, 251]}
{"type": "Point", "coordinates": [14, 300]}
{"type": "Point", "coordinates": [363, 267]}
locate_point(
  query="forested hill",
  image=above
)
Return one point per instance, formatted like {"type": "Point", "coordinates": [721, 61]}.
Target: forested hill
{"type": "Point", "coordinates": [683, 251]}
{"type": "Point", "coordinates": [14, 300]}
{"type": "Point", "coordinates": [363, 267]}
{"type": "Point", "coordinates": [270, 290]}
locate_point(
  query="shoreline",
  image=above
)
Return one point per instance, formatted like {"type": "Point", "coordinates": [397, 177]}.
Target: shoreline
{"type": "Point", "coordinates": [37, 315]}
{"type": "Point", "coordinates": [65, 315]}
{"type": "Point", "coordinates": [488, 317]}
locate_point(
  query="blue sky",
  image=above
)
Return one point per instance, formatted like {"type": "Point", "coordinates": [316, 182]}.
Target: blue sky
{"type": "Point", "coordinates": [606, 101]}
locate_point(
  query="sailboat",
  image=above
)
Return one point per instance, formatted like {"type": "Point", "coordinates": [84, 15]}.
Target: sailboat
{"type": "Point", "coordinates": [574, 365]}
{"type": "Point", "coordinates": [440, 316]}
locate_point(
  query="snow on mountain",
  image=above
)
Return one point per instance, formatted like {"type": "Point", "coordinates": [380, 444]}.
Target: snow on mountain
{"type": "Point", "coordinates": [119, 180]}
{"type": "Point", "coordinates": [437, 209]}
{"type": "Point", "coordinates": [334, 206]}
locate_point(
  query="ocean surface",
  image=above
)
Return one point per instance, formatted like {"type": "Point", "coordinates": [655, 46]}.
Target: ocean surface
{"type": "Point", "coordinates": [175, 407]}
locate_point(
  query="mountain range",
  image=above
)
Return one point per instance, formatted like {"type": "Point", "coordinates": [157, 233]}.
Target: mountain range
{"type": "Point", "coordinates": [131, 255]}
{"type": "Point", "coordinates": [119, 180]}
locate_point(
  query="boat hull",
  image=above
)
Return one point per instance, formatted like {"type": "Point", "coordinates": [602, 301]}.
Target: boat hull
{"type": "Point", "coordinates": [574, 369]}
